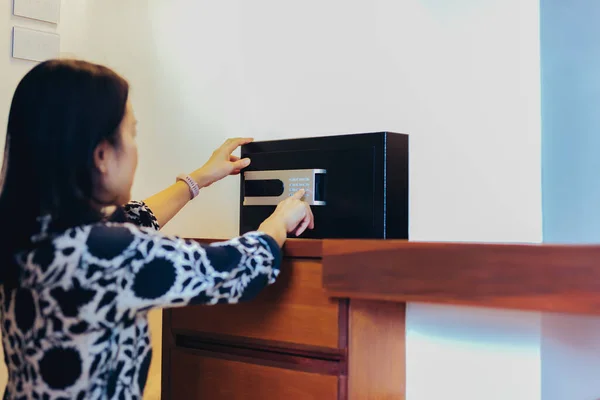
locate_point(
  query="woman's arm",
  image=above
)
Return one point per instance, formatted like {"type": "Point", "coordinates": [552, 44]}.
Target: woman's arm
{"type": "Point", "coordinates": [168, 202]}
{"type": "Point", "coordinates": [157, 271]}
{"type": "Point", "coordinates": [141, 268]}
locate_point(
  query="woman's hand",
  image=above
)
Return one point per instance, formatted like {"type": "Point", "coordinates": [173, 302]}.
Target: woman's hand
{"type": "Point", "coordinates": [292, 215]}
{"type": "Point", "coordinates": [222, 163]}
{"type": "Point", "coordinates": [167, 203]}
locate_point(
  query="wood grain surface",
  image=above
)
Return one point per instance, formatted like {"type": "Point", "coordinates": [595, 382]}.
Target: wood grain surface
{"type": "Point", "coordinates": [293, 248]}
{"type": "Point", "coordinates": [518, 276]}
{"type": "Point", "coordinates": [205, 377]}
{"type": "Point", "coordinates": [377, 351]}
{"type": "Point", "coordinates": [295, 309]}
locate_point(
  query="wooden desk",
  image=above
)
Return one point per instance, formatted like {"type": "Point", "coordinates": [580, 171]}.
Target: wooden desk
{"type": "Point", "coordinates": [333, 325]}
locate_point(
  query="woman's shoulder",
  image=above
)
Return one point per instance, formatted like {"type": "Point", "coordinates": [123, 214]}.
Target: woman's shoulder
{"type": "Point", "coordinates": [97, 246]}
{"type": "Point", "coordinates": [138, 213]}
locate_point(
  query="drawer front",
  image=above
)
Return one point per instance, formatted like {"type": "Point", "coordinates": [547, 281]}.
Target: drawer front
{"type": "Point", "coordinates": [194, 376]}
{"type": "Point", "coordinates": [293, 310]}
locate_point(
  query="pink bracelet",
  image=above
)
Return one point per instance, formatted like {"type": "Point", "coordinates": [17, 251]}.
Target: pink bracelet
{"type": "Point", "coordinates": [194, 188]}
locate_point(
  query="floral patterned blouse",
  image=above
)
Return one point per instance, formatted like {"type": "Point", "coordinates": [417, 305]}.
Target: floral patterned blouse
{"type": "Point", "coordinates": [76, 327]}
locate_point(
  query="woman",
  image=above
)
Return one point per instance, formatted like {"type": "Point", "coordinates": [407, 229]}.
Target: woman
{"type": "Point", "coordinates": [78, 280]}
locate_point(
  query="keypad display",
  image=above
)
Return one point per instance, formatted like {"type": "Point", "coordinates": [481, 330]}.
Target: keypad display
{"type": "Point", "coordinates": [269, 187]}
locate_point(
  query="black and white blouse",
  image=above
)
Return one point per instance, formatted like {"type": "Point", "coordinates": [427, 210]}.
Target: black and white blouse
{"type": "Point", "coordinates": [77, 326]}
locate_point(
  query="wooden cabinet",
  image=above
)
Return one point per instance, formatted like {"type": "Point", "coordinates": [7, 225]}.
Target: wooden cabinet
{"type": "Point", "coordinates": [205, 375]}
{"type": "Point", "coordinates": [295, 310]}
{"type": "Point", "coordinates": [289, 343]}
{"type": "Point", "coordinates": [333, 326]}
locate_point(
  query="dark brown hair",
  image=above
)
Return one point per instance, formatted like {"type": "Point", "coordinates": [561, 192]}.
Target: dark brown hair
{"type": "Point", "coordinates": [60, 112]}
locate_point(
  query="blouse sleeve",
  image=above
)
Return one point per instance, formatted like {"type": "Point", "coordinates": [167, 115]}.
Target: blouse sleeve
{"type": "Point", "coordinates": [150, 270]}
{"type": "Point", "coordinates": [138, 213]}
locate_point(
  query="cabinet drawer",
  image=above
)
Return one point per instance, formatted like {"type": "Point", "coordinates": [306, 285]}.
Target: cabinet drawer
{"type": "Point", "coordinates": [293, 310]}
{"type": "Point", "coordinates": [195, 376]}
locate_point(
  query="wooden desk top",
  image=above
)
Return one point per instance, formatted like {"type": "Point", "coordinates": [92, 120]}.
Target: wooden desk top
{"type": "Point", "coordinates": [536, 277]}
{"type": "Point", "coordinates": [555, 278]}
{"type": "Point", "coordinates": [297, 248]}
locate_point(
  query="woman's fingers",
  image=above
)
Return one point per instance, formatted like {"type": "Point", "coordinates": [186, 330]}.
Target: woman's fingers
{"type": "Point", "coordinates": [301, 228]}
{"type": "Point", "coordinates": [231, 144]}
{"type": "Point", "coordinates": [308, 221]}
{"type": "Point", "coordinates": [241, 164]}
{"type": "Point", "coordinates": [305, 224]}
{"type": "Point", "coordinates": [311, 225]}
{"type": "Point", "coordinates": [299, 194]}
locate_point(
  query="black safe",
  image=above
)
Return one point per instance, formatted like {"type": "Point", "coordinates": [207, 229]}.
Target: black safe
{"type": "Point", "coordinates": [356, 184]}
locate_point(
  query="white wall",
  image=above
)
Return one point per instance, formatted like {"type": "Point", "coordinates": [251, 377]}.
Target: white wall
{"type": "Point", "coordinates": [11, 70]}
{"type": "Point", "coordinates": [461, 77]}
{"type": "Point", "coordinates": [476, 177]}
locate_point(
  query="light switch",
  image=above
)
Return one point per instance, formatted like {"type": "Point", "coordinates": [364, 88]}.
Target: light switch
{"type": "Point", "coordinates": [29, 44]}
{"type": "Point", "coordinates": [42, 10]}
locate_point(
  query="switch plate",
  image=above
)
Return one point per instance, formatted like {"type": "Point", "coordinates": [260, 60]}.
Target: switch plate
{"type": "Point", "coordinates": [41, 10]}
{"type": "Point", "coordinates": [29, 44]}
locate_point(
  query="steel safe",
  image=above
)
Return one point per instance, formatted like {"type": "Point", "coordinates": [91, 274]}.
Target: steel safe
{"type": "Point", "coordinates": [356, 184]}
